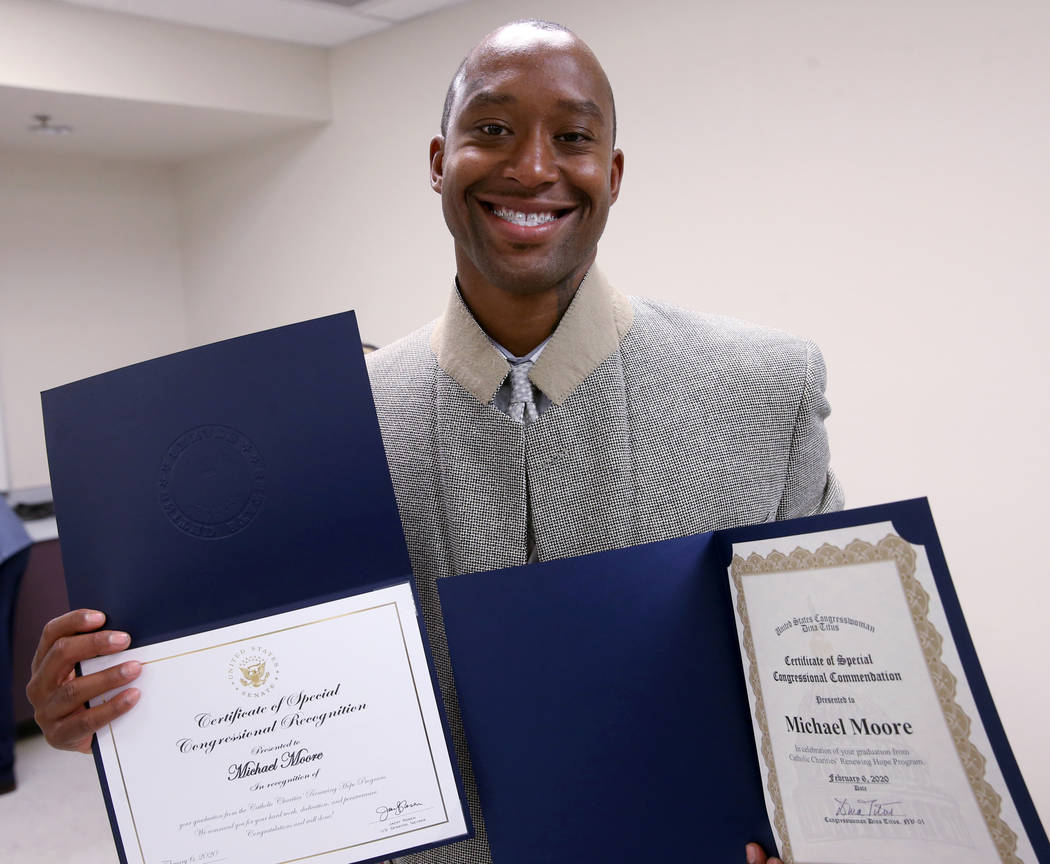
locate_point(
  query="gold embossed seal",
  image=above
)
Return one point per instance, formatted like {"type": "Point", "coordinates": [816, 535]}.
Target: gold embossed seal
{"type": "Point", "coordinates": [253, 671]}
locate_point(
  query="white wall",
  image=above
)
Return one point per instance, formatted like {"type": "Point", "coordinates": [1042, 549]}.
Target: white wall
{"type": "Point", "coordinates": [871, 175]}
{"type": "Point", "coordinates": [318, 222]}
{"type": "Point", "coordinates": [5, 483]}
{"type": "Point", "coordinates": [90, 280]}
{"type": "Point", "coordinates": [67, 49]}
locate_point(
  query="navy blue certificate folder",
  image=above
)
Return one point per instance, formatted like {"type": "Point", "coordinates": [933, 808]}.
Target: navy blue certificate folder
{"type": "Point", "coordinates": [219, 484]}
{"type": "Point", "coordinates": [215, 483]}
{"type": "Point", "coordinates": [592, 689]}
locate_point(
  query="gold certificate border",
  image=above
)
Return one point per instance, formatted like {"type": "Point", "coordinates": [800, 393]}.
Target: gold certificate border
{"type": "Point", "coordinates": [415, 687]}
{"type": "Point", "coordinates": [894, 549]}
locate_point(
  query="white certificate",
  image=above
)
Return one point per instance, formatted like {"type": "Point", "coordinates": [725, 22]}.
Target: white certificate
{"type": "Point", "coordinates": [309, 735]}
{"type": "Point", "coordinates": [869, 739]}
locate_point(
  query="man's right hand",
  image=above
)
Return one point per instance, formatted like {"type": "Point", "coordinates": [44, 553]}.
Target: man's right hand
{"type": "Point", "coordinates": [58, 695]}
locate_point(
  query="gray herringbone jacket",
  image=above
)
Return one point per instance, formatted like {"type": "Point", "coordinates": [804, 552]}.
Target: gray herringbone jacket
{"type": "Point", "coordinates": [663, 423]}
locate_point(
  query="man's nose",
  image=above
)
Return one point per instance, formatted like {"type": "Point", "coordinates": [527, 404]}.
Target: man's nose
{"type": "Point", "coordinates": [533, 161]}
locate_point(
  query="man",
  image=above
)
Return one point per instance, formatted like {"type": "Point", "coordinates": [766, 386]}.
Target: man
{"type": "Point", "coordinates": [545, 414]}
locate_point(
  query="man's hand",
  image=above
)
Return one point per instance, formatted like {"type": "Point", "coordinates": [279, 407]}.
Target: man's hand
{"type": "Point", "coordinates": [58, 695]}
{"type": "Point", "coordinates": [757, 855]}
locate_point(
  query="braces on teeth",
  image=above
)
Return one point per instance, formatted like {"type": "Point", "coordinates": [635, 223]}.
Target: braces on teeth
{"type": "Point", "coordinates": [517, 217]}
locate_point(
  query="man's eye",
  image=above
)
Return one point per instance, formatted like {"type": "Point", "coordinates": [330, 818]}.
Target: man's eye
{"type": "Point", "coordinates": [493, 129]}
{"type": "Point", "coordinates": [574, 137]}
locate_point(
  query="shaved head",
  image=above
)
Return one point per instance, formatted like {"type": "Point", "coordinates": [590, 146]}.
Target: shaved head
{"type": "Point", "coordinates": [517, 37]}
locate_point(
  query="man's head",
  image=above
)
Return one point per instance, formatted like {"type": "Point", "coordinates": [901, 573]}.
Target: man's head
{"type": "Point", "coordinates": [526, 163]}
{"type": "Point", "coordinates": [456, 84]}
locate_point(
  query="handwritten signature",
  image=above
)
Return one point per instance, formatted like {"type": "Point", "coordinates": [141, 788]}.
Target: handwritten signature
{"type": "Point", "coordinates": [399, 808]}
{"type": "Point", "coordinates": [866, 807]}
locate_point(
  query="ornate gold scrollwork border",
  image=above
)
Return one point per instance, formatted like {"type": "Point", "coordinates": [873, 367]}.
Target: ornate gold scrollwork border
{"type": "Point", "coordinates": [890, 548]}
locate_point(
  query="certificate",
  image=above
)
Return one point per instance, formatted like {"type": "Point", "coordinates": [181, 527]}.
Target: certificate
{"type": "Point", "coordinates": [808, 685]}
{"type": "Point", "coordinates": [871, 746]}
{"type": "Point", "coordinates": [215, 487]}
{"type": "Point", "coordinates": [309, 735]}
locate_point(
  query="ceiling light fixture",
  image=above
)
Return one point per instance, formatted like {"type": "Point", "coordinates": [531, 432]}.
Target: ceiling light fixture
{"type": "Point", "coordinates": [45, 127]}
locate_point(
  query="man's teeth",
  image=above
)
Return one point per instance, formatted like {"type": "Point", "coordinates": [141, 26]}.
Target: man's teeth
{"type": "Point", "coordinates": [517, 217]}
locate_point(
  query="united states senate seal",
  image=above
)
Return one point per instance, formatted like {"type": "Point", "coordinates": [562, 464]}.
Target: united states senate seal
{"type": "Point", "coordinates": [253, 671]}
{"type": "Point", "coordinates": [212, 482]}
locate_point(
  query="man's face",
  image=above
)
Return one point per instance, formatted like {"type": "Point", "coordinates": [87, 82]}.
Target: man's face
{"type": "Point", "coordinates": [527, 171]}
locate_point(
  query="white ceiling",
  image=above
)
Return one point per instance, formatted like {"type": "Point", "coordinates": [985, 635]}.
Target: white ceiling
{"type": "Point", "coordinates": [308, 22]}
{"type": "Point", "coordinates": [155, 132]}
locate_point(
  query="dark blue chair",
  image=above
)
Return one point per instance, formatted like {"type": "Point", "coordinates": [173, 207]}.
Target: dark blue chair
{"type": "Point", "coordinates": [14, 555]}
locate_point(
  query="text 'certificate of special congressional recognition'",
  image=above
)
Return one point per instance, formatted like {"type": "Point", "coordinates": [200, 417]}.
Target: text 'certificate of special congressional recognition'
{"type": "Point", "coordinates": [309, 735]}
{"type": "Point", "coordinates": [870, 743]}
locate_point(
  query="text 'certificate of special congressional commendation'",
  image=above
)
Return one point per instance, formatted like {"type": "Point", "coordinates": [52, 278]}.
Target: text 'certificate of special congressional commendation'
{"type": "Point", "coordinates": [311, 735]}
{"type": "Point", "coordinates": [870, 743]}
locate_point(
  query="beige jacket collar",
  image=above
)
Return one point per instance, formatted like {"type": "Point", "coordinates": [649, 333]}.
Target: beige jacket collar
{"type": "Point", "coordinates": [588, 332]}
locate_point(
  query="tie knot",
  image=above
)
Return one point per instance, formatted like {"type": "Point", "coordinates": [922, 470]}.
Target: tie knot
{"type": "Point", "coordinates": [521, 386]}
{"type": "Point", "coordinates": [522, 402]}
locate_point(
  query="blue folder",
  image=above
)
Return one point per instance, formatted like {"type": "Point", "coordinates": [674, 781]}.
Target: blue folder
{"type": "Point", "coordinates": [216, 485]}
{"type": "Point", "coordinates": [220, 482]}
{"type": "Point", "coordinates": [588, 685]}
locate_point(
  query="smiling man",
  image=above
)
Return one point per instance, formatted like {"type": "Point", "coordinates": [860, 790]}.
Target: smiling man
{"type": "Point", "coordinates": [544, 414]}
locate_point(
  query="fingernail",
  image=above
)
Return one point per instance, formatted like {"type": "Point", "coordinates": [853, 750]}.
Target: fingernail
{"type": "Point", "coordinates": [119, 639]}
{"type": "Point", "coordinates": [130, 669]}
{"type": "Point", "coordinates": [130, 697]}
{"type": "Point", "coordinates": [93, 619]}
{"type": "Point", "coordinates": [752, 854]}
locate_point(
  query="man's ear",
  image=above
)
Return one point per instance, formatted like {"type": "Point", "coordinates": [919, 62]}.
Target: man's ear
{"type": "Point", "coordinates": [616, 175]}
{"type": "Point", "coordinates": [437, 162]}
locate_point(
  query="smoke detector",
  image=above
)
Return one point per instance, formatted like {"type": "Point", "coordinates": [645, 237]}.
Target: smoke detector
{"type": "Point", "coordinates": [44, 126]}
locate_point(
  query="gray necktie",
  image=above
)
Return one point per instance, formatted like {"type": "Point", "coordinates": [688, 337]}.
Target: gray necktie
{"type": "Point", "coordinates": [522, 407]}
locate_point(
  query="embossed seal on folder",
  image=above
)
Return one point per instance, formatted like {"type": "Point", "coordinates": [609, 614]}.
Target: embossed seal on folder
{"type": "Point", "coordinates": [212, 482]}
